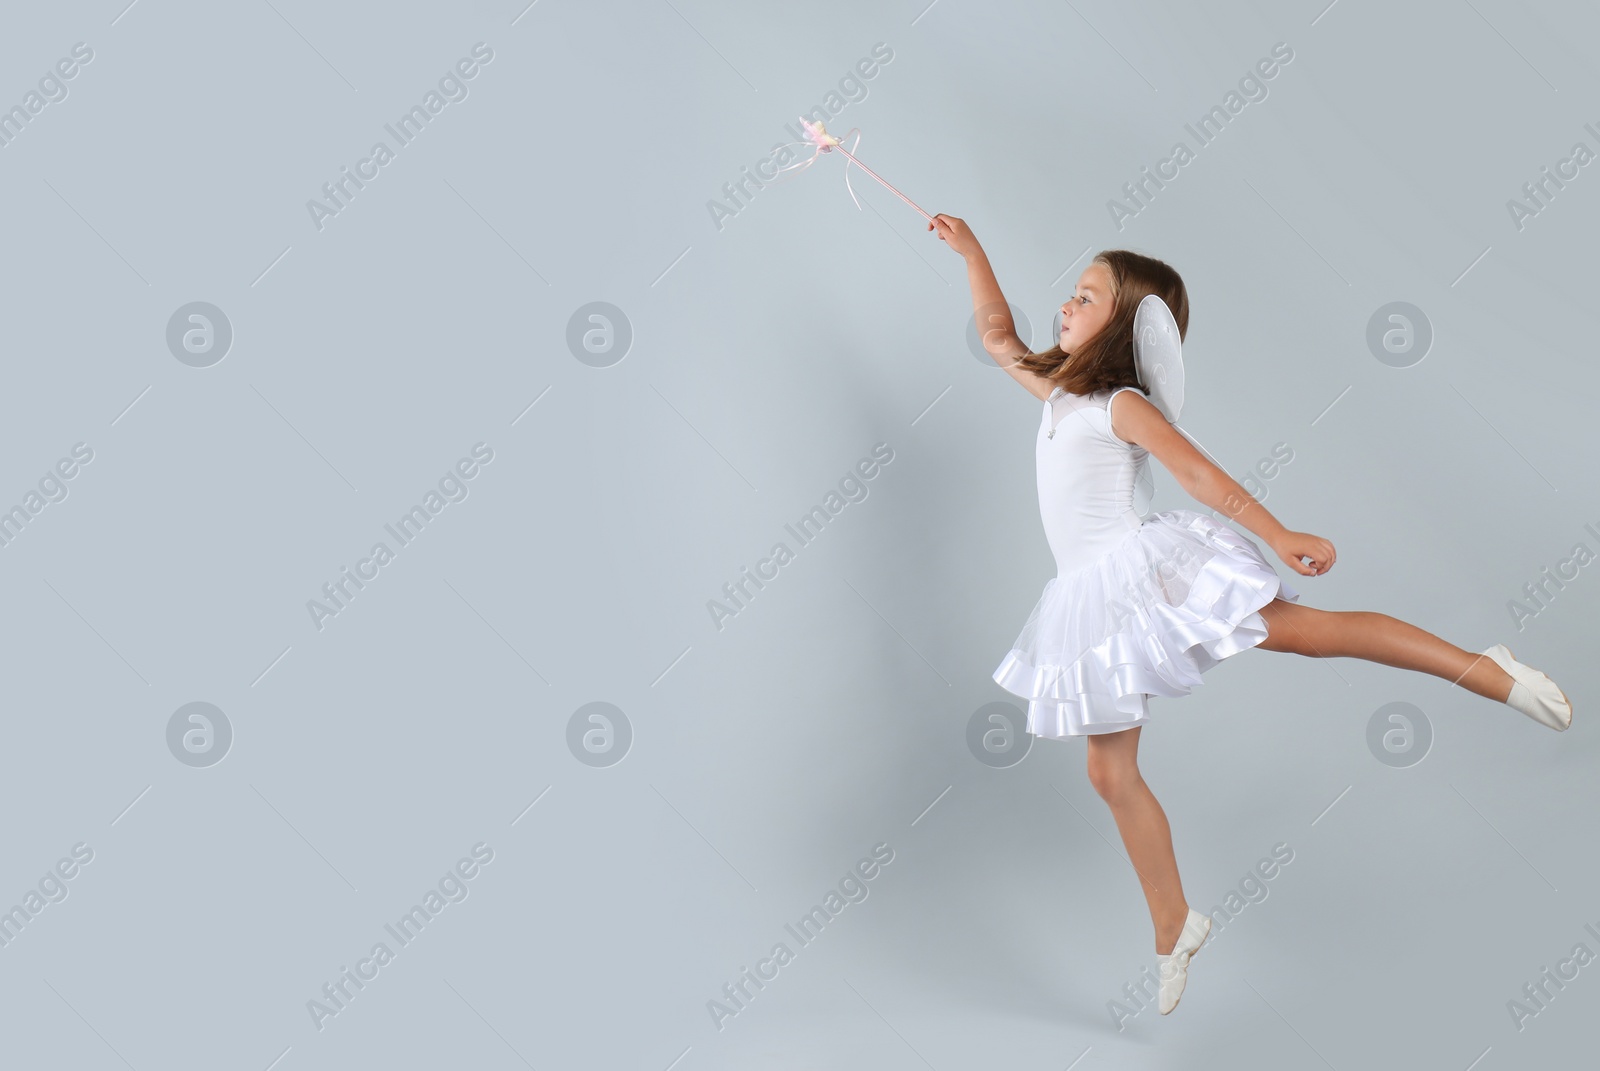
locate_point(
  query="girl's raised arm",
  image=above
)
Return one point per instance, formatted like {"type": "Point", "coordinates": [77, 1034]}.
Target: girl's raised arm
{"type": "Point", "coordinates": [995, 325]}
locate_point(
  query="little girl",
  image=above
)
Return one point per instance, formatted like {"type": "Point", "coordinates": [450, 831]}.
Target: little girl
{"type": "Point", "coordinates": [1142, 607]}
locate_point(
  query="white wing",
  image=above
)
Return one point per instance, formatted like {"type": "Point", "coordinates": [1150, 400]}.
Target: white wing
{"type": "Point", "coordinates": [1158, 358]}
{"type": "Point", "coordinates": [1158, 355]}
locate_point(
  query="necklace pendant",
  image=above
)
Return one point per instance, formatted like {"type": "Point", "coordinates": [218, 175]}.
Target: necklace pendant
{"type": "Point", "coordinates": [1051, 434]}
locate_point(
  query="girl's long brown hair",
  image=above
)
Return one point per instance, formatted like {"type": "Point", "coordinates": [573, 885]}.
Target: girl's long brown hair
{"type": "Point", "coordinates": [1106, 360]}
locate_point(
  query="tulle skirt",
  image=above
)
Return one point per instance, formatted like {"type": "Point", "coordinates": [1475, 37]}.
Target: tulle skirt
{"type": "Point", "coordinates": [1172, 599]}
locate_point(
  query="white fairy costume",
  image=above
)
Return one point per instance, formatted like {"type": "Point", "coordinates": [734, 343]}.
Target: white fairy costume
{"type": "Point", "coordinates": [1140, 606]}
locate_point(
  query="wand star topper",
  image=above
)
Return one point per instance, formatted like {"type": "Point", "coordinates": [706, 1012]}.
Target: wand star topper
{"type": "Point", "coordinates": [817, 135]}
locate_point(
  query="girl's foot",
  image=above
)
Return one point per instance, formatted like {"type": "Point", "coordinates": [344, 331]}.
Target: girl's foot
{"type": "Point", "coordinates": [1174, 972]}
{"type": "Point", "coordinates": [1532, 692]}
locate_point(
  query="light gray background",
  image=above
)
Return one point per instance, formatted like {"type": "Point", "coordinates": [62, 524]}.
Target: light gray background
{"type": "Point", "coordinates": [768, 357]}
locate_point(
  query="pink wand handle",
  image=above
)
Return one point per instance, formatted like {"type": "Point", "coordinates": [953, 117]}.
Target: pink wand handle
{"type": "Point", "coordinates": [891, 189]}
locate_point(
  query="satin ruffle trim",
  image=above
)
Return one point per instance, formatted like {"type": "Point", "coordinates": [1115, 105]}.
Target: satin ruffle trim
{"type": "Point", "coordinates": [1163, 648]}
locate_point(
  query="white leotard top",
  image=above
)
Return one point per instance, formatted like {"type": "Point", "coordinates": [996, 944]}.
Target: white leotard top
{"type": "Point", "coordinates": [1086, 478]}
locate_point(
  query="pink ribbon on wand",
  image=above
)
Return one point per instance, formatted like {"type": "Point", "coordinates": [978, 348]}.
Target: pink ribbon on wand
{"type": "Point", "coordinates": [818, 135]}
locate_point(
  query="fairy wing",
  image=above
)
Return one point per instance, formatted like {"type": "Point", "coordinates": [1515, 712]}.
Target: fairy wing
{"type": "Point", "coordinates": [1158, 355]}
{"type": "Point", "coordinates": [1158, 358]}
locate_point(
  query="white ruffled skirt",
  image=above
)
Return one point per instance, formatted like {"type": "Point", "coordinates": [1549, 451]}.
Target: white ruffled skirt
{"type": "Point", "coordinates": [1176, 596]}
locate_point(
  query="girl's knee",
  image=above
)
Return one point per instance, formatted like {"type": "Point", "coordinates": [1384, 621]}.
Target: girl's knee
{"type": "Point", "coordinates": [1112, 779]}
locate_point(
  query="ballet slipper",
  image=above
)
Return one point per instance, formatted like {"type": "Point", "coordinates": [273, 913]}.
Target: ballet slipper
{"type": "Point", "coordinates": [1174, 973]}
{"type": "Point", "coordinates": [1532, 692]}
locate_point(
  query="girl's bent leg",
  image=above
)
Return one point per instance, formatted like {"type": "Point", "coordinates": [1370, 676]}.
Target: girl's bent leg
{"type": "Point", "coordinates": [1306, 630]}
{"type": "Point", "coordinates": [1114, 772]}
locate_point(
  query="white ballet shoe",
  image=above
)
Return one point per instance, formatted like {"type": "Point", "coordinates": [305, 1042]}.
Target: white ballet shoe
{"type": "Point", "coordinates": [1174, 972]}
{"type": "Point", "coordinates": [1532, 692]}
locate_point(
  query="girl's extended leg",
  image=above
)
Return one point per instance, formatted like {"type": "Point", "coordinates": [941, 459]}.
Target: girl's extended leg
{"type": "Point", "coordinates": [1297, 629]}
{"type": "Point", "coordinates": [1114, 772]}
{"type": "Point", "coordinates": [1376, 637]}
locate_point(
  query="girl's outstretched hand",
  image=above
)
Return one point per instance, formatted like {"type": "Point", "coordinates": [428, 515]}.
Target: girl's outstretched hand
{"type": "Point", "coordinates": [1293, 546]}
{"type": "Point", "coordinates": [955, 233]}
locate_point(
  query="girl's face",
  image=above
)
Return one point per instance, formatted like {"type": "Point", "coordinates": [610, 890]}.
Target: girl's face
{"type": "Point", "coordinates": [1086, 312]}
